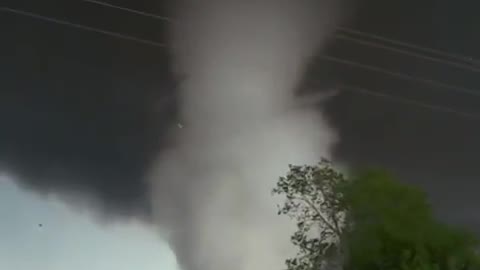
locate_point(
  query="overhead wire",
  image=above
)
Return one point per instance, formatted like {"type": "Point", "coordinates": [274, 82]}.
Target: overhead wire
{"type": "Point", "coordinates": [351, 88]}
{"type": "Point", "coordinates": [406, 52]}
{"type": "Point", "coordinates": [400, 75]}
{"type": "Point", "coordinates": [134, 11]}
{"type": "Point", "coordinates": [82, 27]}
{"type": "Point", "coordinates": [459, 57]}
{"type": "Point", "coordinates": [326, 57]}
{"type": "Point", "coordinates": [409, 101]}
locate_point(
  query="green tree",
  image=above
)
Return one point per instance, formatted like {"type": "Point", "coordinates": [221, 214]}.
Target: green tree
{"type": "Point", "coordinates": [371, 221]}
{"type": "Point", "coordinates": [314, 201]}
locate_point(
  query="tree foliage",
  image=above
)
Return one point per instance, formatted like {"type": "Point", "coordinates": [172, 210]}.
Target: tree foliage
{"type": "Point", "coordinates": [313, 200]}
{"type": "Point", "coordinates": [370, 221]}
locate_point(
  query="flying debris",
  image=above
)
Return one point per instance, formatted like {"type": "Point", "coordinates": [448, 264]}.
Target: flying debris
{"type": "Point", "coordinates": [179, 125]}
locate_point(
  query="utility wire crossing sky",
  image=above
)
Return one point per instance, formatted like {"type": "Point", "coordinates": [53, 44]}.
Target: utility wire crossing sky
{"type": "Point", "coordinates": [360, 90]}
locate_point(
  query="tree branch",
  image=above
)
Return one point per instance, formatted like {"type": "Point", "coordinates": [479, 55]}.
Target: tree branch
{"type": "Point", "coordinates": [334, 218]}
{"type": "Point", "coordinates": [324, 220]}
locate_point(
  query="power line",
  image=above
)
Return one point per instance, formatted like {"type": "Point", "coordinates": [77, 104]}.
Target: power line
{"type": "Point", "coordinates": [403, 76]}
{"type": "Point", "coordinates": [327, 57]}
{"type": "Point", "coordinates": [459, 57]}
{"type": "Point", "coordinates": [331, 58]}
{"type": "Point", "coordinates": [339, 36]}
{"type": "Point", "coordinates": [346, 30]}
{"type": "Point", "coordinates": [135, 11]}
{"type": "Point", "coordinates": [82, 27]}
{"type": "Point", "coordinates": [412, 102]}
{"type": "Point", "coordinates": [403, 51]}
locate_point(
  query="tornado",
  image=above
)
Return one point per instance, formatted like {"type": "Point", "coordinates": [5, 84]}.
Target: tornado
{"type": "Point", "coordinates": [241, 124]}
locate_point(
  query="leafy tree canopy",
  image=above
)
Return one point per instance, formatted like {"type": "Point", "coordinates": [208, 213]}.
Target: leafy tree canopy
{"type": "Point", "coordinates": [368, 221]}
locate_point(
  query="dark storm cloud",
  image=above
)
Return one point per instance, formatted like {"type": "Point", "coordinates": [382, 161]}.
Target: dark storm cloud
{"type": "Point", "coordinates": [80, 112]}
{"type": "Point", "coordinates": [437, 151]}
{"type": "Point", "coordinates": [76, 108]}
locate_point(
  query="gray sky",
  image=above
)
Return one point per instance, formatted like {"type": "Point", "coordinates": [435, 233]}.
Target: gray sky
{"type": "Point", "coordinates": [71, 240]}
{"type": "Point", "coordinates": [87, 113]}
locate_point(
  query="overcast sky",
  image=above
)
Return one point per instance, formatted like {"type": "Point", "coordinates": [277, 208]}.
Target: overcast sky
{"type": "Point", "coordinates": [87, 113]}
{"type": "Point", "coordinates": [43, 233]}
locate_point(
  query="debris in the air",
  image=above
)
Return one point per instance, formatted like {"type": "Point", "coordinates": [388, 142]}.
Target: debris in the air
{"type": "Point", "coordinates": [40, 225]}
{"type": "Point", "coordinates": [179, 125]}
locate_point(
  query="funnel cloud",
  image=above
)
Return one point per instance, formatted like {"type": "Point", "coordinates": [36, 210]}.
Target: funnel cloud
{"type": "Point", "coordinates": [241, 126]}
